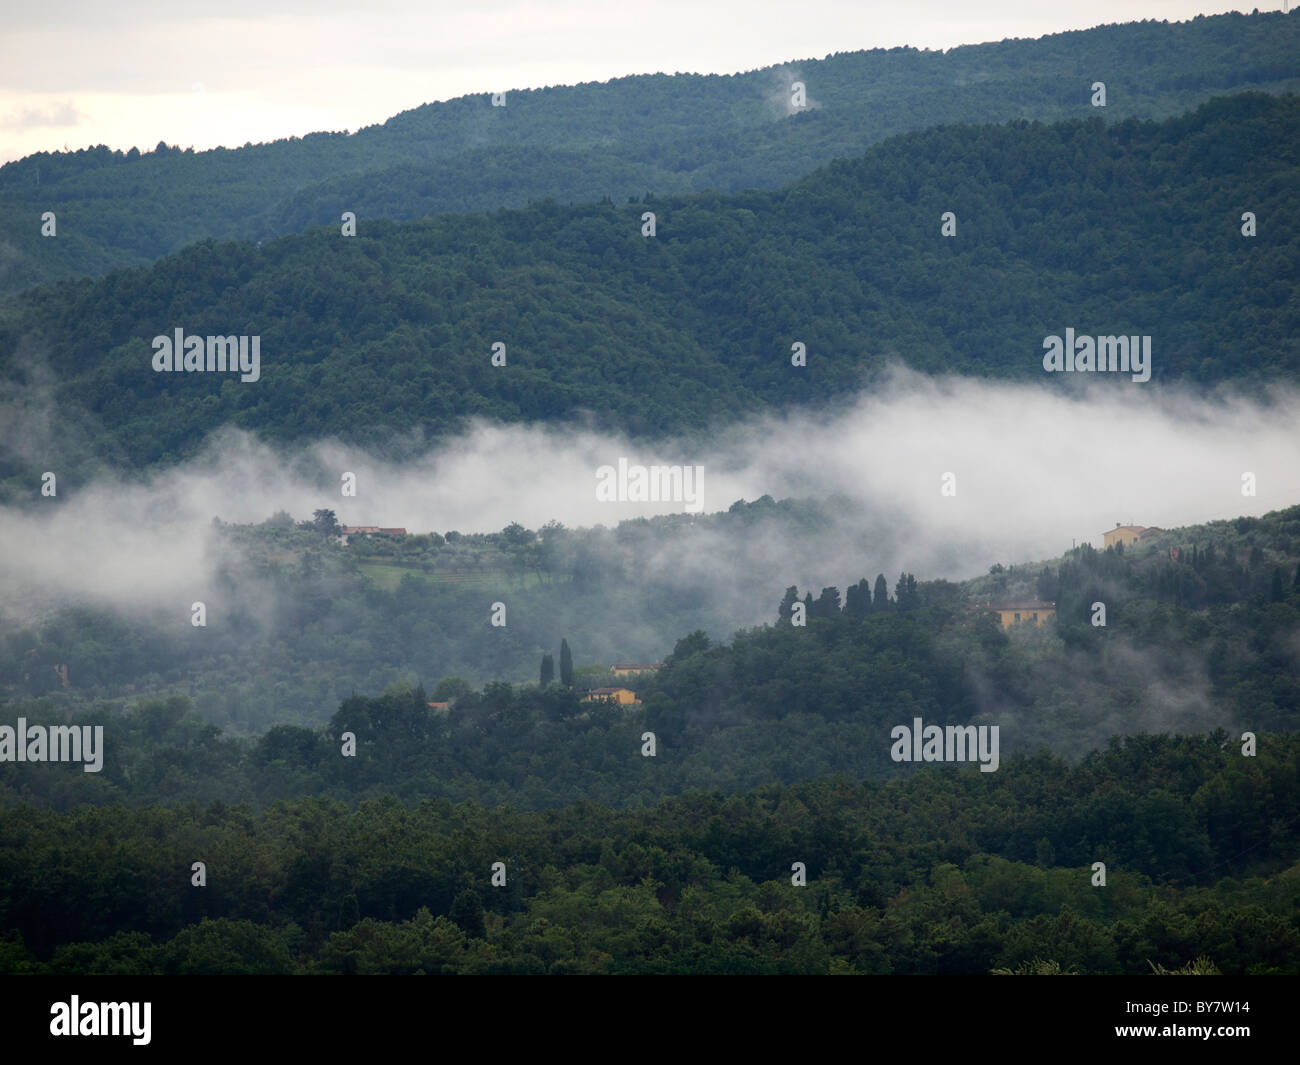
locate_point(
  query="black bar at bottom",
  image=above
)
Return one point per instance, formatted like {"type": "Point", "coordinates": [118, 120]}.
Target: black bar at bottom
{"type": "Point", "coordinates": [340, 1015]}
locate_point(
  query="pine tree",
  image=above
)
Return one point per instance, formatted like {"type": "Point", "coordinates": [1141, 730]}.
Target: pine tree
{"type": "Point", "coordinates": [349, 911]}
{"type": "Point", "coordinates": [1046, 585]}
{"type": "Point", "coordinates": [828, 603]}
{"type": "Point", "coordinates": [786, 610]}
{"type": "Point", "coordinates": [548, 671]}
{"type": "Point", "coordinates": [324, 521]}
{"type": "Point", "coordinates": [566, 664]}
{"type": "Point", "coordinates": [467, 912]}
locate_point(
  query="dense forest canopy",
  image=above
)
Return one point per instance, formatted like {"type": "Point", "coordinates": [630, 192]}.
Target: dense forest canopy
{"type": "Point", "coordinates": [948, 871]}
{"type": "Point", "coordinates": [673, 758]}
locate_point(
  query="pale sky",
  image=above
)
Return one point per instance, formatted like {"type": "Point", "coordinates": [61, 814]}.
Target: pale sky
{"type": "Point", "coordinates": [129, 73]}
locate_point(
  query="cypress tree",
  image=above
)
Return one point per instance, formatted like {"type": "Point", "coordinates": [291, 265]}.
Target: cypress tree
{"type": "Point", "coordinates": [905, 594]}
{"type": "Point", "coordinates": [566, 664]}
{"type": "Point", "coordinates": [857, 599]}
{"type": "Point", "coordinates": [881, 599]}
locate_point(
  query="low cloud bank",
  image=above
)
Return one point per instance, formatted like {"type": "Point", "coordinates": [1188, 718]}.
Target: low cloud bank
{"type": "Point", "coordinates": [937, 476]}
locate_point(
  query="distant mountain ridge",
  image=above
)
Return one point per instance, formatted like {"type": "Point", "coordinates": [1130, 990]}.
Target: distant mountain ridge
{"type": "Point", "coordinates": [654, 133]}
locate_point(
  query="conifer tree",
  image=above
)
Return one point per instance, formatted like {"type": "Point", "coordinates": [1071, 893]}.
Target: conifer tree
{"type": "Point", "coordinates": [786, 609]}
{"type": "Point", "coordinates": [828, 603]}
{"type": "Point", "coordinates": [857, 599]}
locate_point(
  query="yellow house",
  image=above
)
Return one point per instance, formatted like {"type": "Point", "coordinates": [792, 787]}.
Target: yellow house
{"type": "Point", "coordinates": [1123, 534]}
{"type": "Point", "coordinates": [622, 696]}
{"type": "Point", "coordinates": [625, 669]}
{"type": "Point", "coordinates": [1028, 612]}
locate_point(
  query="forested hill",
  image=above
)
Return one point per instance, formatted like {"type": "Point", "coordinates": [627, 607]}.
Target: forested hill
{"type": "Point", "coordinates": [658, 133]}
{"type": "Point", "coordinates": [1133, 228]}
{"type": "Point", "coordinates": [945, 872]}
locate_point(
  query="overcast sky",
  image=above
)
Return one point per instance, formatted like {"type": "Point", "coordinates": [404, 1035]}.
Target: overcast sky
{"type": "Point", "coordinates": [133, 72]}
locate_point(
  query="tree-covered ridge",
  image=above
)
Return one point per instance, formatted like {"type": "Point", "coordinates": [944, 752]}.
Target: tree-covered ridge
{"type": "Point", "coordinates": [1208, 640]}
{"type": "Point", "coordinates": [1133, 228]}
{"type": "Point", "coordinates": [948, 871]}
{"type": "Point", "coordinates": [300, 621]}
{"type": "Point", "coordinates": [659, 133]}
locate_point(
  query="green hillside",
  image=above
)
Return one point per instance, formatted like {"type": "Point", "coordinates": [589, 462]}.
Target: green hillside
{"type": "Point", "coordinates": [1132, 229]}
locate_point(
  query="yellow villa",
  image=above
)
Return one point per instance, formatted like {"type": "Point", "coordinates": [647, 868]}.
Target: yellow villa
{"type": "Point", "coordinates": [1026, 612]}
{"type": "Point", "coordinates": [1122, 534]}
{"type": "Point", "coordinates": [1128, 534]}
